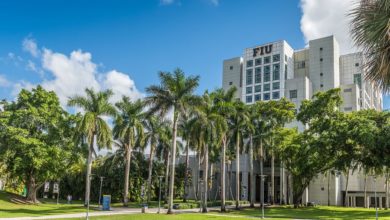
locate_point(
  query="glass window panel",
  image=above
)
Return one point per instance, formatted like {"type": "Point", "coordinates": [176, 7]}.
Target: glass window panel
{"type": "Point", "coordinates": [266, 96]}
{"type": "Point", "coordinates": [257, 88]}
{"type": "Point", "coordinates": [267, 59]}
{"type": "Point", "coordinates": [258, 61]}
{"type": "Point", "coordinates": [267, 87]}
{"type": "Point", "coordinates": [276, 58]}
{"type": "Point", "coordinates": [249, 76]}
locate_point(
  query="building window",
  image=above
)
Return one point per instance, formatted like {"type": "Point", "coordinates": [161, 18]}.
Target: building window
{"type": "Point", "coordinates": [293, 94]}
{"type": "Point", "coordinates": [321, 59]}
{"type": "Point", "coordinates": [249, 99]}
{"type": "Point", "coordinates": [348, 109]}
{"type": "Point", "coordinates": [266, 96]}
{"type": "Point", "coordinates": [357, 79]}
{"type": "Point", "coordinates": [348, 90]}
{"type": "Point", "coordinates": [267, 87]}
{"type": "Point", "coordinates": [275, 95]}
{"type": "Point", "coordinates": [276, 58]}
{"type": "Point", "coordinates": [258, 61]}
{"type": "Point", "coordinates": [257, 97]}
{"type": "Point", "coordinates": [249, 90]}
{"type": "Point", "coordinates": [267, 73]}
{"type": "Point", "coordinates": [249, 76]}
{"type": "Point", "coordinates": [356, 64]}
{"type": "Point", "coordinates": [321, 85]}
{"type": "Point", "coordinates": [230, 83]}
{"type": "Point", "coordinates": [267, 59]}
{"type": "Point", "coordinates": [249, 63]}
{"type": "Point", "coordinates": [231, 67]}
{"type": "Point", "coordinates": [321, 74]}
{"type": "Point", "coordinates": [301, 64]}
{"type": "Point", "coordinates": [276, 72]}
{"type": "Point", "coordinates": [257, 88]}
{"type": "Point", "coordinates": [320, 48]}
{"type": "Point", "coordinates": [275, 85]}
{"type": "Point", "coordinates": [285, 58]}
{"type": "Point", "coordinates": [258, 75]}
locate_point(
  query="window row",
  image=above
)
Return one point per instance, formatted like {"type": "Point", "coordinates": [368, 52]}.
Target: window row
{"type": "Point", "coordinates": [266, 87]}
{"type": "Point", "coordinates": [265, 60]}
{"type": "Point", "coordinates": [266, 97]}
{"type": "Point", "coordinates": [267, 74]}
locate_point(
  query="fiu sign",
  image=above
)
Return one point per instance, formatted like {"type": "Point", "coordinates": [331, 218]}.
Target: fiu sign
{"type": "Point", "coordinates": [262, 50]}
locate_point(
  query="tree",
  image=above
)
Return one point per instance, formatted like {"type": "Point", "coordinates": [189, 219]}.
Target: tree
{"type": "Point", "coordinates": [154, 129]}
{"type": "Point", "coordinates": [239, 122]}
{"type": "Point", "coordinates": [175, 93]}
{"type": "Point", "coordinates": [92, 125]}
{"type": "Point", "coordinates": [128, 127]}
{"type": "Point", "coordinates": [35, 147]}
{"type": "Point", "coordinates": [371, 32]}
{"type": "Point", "coordinates": [223, 104]}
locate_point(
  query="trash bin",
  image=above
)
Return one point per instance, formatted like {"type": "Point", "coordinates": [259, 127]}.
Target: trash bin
{"type": "Point", "coordinates": [106, 202]}
{"type": "Point", "coordinates": [144, 208]}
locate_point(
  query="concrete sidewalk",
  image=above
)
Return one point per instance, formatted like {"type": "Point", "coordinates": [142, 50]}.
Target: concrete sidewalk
{"type": "Point", "coordinates": [114, 211]}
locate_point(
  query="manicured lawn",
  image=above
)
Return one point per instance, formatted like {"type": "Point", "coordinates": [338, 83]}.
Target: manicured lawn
{"type": "Point", "coordinates": [10, 207]}
{"type": "Point", "coordinates": [275, 213]}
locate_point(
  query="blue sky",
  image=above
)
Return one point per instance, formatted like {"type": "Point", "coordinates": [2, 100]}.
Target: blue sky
{"type": "Point", "coordinates": [69, 45]}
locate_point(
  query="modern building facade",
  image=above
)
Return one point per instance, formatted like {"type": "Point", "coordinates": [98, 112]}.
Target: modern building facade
{"type": "Point", "coordinates": [274, 70]}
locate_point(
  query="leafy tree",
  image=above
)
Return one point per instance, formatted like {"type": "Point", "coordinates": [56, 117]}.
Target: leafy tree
{"type": "Point", "coordinates": [35, 146]}
{"type": "Point", "coordinates": [129, 130]}
{"type": "Point", "coordinates": [92, 127]}
{"type": "Point", "coordinates": [371, 32]}
{"type": "Point", "coordinates": [175, 93]}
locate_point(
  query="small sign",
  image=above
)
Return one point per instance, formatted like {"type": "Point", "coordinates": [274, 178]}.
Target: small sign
{"type": "Point", "coordinates": [56, 188]}
{"type": "Point", "coordinates": [47, 187]}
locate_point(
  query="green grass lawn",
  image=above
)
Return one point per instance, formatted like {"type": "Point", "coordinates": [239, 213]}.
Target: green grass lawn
{"type": "Point", "coordinates": [275, 213]}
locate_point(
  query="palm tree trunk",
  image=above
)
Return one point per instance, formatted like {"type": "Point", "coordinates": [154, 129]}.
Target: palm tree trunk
{"type": "Point", "coordinates": [167, 176]}
{"type": "Point", "coordinates": [173, 161]}
{"type": "Point", "coordinates": [127, 175]}
{"type": "Point", "coordinates": [252, 189]}
{"type": "Point", "coordinates": [238, 171]}
{"type": "Point", "coordinates": [346, 203]}
{"type": "Point", "coordinates": [272, 178]}
{"type": "Point", "coordinates": [211, 180]}
{"type": "Point", "coordinates": [151, 155]}
{"type": "Point", "coordinates": [387, 189]}
{"type": "Point", "coordinates": [89, 169]}
{"type": "Point", "coordinates": [365, 189]}
{"type": "Point", "coordinates": [223, 175]}
{"type": "Point", "coordinates": [197, 177]}
{"type": "Point", "coordinates": [261, 174]}
{"type": "Point", "coordinates": [186, 171]}
{"type": "Point", "coordinates": [205, 182]}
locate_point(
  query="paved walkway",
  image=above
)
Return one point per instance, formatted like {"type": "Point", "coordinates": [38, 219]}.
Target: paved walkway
{"type": "Point", "coordinates": [114, 211]}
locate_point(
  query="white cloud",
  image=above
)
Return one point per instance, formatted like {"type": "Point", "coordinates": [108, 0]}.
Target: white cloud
{"type": "Point", "coordinates": [70, 75]}
{"type": "Point", "coordinates": [166, 2]}
{"type": "Point", "coordinates": [32, 67]}
{"type": "Point", "coordinates": [4, 82]}
{"type": "Point", "coordinates": [121, 85]}
{"type": "Point", "coordinates": [215, 2]}
{"type": "Point", "coordinates": [30, 46]}
{"type": "Point", "coordinates": [328, 17]}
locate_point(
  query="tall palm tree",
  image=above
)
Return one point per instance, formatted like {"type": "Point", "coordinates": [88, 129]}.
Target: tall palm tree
{"type": "Point", "coordinates": [128, 127]}
{"type": "Point", "coordinates": [223, 104]}
{"type": "Point", "coordinates": [92, 125]}
{"type": "Point", "coordinates": [371, 32]}
{"type": "Point", "coordinates": [208, 126]}
{"type": "Point", "coordinates": [240, 120]}
{"type": "Point", "coordinates": [154, 129]}
{"type": "Point", "coordinates": [250, 130]}
{"type": "Point", "coordinates": [175, 93]}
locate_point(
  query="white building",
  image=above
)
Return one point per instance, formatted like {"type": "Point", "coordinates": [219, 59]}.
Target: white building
{"type": "Point", "coordinates": [274, 70]}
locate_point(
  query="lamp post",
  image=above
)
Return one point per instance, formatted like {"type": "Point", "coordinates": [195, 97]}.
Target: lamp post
{"type": "Point", "coordinates": [159, 194]}
{"type": "Point", "coordinates": [87, 217]}
{"type": "Point", "coordinates": [100, 189]}
{"type": "Point", "coordinates": [262, 195]}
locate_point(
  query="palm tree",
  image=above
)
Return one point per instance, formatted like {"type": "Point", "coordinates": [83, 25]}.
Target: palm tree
{"type": "Point", "coordinates": [208, 126]}
{"type": "Point", "coordinates": [175, 93]}
{"type": "Point", "coordinates": [223, 104]}
{"type": "Point", "coordinates": [250, 130]}
{"type": "Point", "coordinates": [92, 125]}
{"type": "Point", "coordinates": [154, 129]}
{"type": "Point", "coordinates": [371, 32]}
{"type": "Point", "coordinates": [128, 127]}
{"type": "Point", "coordinates": [239, 122]}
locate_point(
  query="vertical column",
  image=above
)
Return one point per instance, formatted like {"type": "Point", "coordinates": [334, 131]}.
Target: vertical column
{"type": "Point", "coordinates": [244, 186]}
